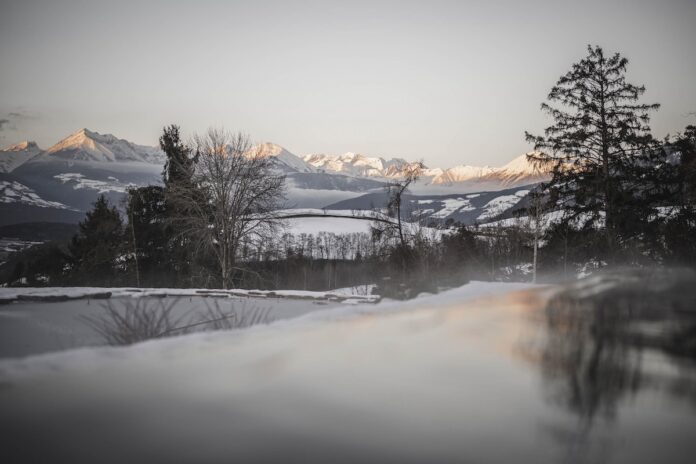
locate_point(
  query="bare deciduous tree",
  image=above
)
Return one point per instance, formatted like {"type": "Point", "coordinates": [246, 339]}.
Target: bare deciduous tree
{"type": "Point", "coordinates": [390, 226]}
{"type": "Point", "coordinates": [231, 201]}
{"type": "Point", "coordinates": [395, 191]}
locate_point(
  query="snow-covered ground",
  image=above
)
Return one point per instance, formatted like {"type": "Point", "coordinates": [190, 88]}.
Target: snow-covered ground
{"type": "Point", "coordinates": [452, 205]}
{"type": "Point", "coordinates": [12, 245]}
{"type": "Point", "coordinates": [330, 221]}
{"type": "Point", "coordinates": [315, 225]}
{"type": "Point", "coordinates": [15, 192]}
{"type": "Point", "coordinates": [79, 181]}
{"type": "Point", "coordinates": [500, 204]}
{"type": "Point", "coordinates": [470, 375]}
{"type": "Point", "coordinates": [10, 294]}
{"type": "Point", "coordinates": [317, 198]}
{"type": "Point", "coordinates": [341, 221]}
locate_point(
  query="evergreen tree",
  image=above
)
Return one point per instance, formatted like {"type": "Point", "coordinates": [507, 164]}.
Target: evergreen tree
{"type": "Point", "coordinates": [147, 236]}
{"type": "Point", "coordinates": [177, 175]}
{"type": "Point", "coordinates": [680, 223]}
{"type": "Point", "coordinates": [47, 265]}
{"type": "Point", "coordinates": [600, 148]}
{"type": "Point", "coordinates": [179, 166]}
{"type": "Point", "coordinates": [684, 147]}
{"type": "Point", "coordinates": [98, 245]}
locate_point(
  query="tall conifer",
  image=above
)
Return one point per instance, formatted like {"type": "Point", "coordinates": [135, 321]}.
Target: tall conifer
{"type": "Point", "coordinates": [599, 145]}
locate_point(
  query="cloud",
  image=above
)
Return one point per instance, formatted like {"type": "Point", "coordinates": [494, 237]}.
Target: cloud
{"type": "Point", "coordinates": [4, 125]}
{"type": "Point", "coordinates": [19, 114]}
{"type": "Point", "coordinates": [9, 122]}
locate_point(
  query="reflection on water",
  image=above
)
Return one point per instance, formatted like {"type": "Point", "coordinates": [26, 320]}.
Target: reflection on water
{"type": "Point", "coordinates": [608, 375]}
{"type": "Point", "coordinates": [610, 338]}
{"type": "Point", "coordinates": [586, 363]}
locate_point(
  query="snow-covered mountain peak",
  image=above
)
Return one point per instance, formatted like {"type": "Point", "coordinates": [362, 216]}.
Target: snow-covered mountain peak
{"type": "Point", "coordinates": [348, 156]}
{"type": "Point", "coordinates": [517, 172]}
{"type": "Point", "coordinates": [269, 149]}
{"type": "Point", "coordinates": [285, 160]}
{"type": "Point", "coordinates": [462, 173]}
{"type": "Point", "coordinates": [84, 139]}
{"type": "Point", "coordinates": [86, 145]}
{"type": "Point", "coordinates": [25, 145]}
{"type": "Point", "coordinates": [356, 164]}
{"type": "Point", "coordinates": [522, 165]}
{"type": "Point", "coordinates": [15, 155]}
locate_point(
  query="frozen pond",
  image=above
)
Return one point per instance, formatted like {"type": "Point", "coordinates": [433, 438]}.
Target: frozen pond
{"type": "Point", "coordinates": [28, 328]}
{"type": "Point", "coordinates": [602, 371]}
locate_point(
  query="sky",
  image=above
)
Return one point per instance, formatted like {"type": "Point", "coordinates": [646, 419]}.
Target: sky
{"type": "Point", "coordinates": [447, 82]}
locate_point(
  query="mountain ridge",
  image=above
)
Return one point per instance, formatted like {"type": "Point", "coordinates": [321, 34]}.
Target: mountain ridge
{"type": "Point", "coordinates": [68, 176]}
{"type": "Point", "coordinates": [89, 146]}
{"type": "Point", "coordinates": [518, 171]}
{"type": "Point", "coordinates": [17, 154]}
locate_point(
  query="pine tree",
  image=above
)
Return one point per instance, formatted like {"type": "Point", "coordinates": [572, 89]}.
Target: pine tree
{"type": "Point", "coordinates": [680, 223]}
{"type": "Point", "coordinates": [177, 175]}
{"type": "Point", "coordinates": [97, 246]}
{"type": "Point", "coordinates": [684, 147]}
{"type": "Point", "coordinates": [600, 147]}
{"type": "Point", "coordinates": [147, 236]}
{"type": "Point", "coordinates": [179, 166]}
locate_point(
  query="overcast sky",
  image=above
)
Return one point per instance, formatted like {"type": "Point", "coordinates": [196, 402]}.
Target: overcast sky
{"type": "Point", "coordinates": [450, 82]}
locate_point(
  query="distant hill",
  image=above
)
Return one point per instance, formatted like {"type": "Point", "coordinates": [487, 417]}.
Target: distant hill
{"type": "Point", "coordinates": [470, 208]}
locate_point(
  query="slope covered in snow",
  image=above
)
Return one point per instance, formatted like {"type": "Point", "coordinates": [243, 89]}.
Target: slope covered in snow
{"type": "Point", "coordinates": [15, 192]}
{"type": "Point", "coordinates": [284, 160]}
{"type": "Point", "coordinates": [85, 145]}
{"type": "Point", "coordinates": [520, 169]}
{"type": "Point", "coordinates": [79, 181]}
{"type": "Point", "coordinates": [355, 164]}
{"type": "Point", "coordinates": [468, 209]}
{"type": "Point", "coordinates": [461, 173]}
{"type": "Point", "coordinates": [15, 155]}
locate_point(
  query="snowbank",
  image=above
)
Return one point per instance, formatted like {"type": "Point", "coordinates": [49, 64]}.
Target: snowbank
{"type": "Point", "coordinates": [8, 295]}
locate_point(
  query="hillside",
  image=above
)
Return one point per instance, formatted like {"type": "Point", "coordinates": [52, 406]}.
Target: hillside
{"type": "Point", "coordinates": [467, 208]}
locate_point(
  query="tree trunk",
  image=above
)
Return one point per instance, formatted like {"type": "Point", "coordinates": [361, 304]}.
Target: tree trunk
{"type": "Point", "coordinates": [536, 247]}
{"type": "Point", "coordinates": [135, 252]}
{"type": "Point", "coordinates": [608, 195]}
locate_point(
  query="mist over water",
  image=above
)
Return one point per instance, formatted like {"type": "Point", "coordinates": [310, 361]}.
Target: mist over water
{"type": "Point", "coordinates": [601, 370]}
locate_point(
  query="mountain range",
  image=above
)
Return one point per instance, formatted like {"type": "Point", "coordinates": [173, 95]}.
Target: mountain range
{"type": "Point", "coordinates": [61, 182]}
{"type": "Point", "coordinates": [519, 171]}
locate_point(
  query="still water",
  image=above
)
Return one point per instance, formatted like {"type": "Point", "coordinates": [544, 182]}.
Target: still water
{"type": "Point", "coordinates": [600, 372]}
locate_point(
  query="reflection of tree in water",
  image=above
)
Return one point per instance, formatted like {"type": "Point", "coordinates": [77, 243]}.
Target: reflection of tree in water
{"type": "Point", "coordinates": [596, 340]}
{"type": "Point", "coordinates": [586, 362]}
{"type": "Point", "coordinates": [592, 356]}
